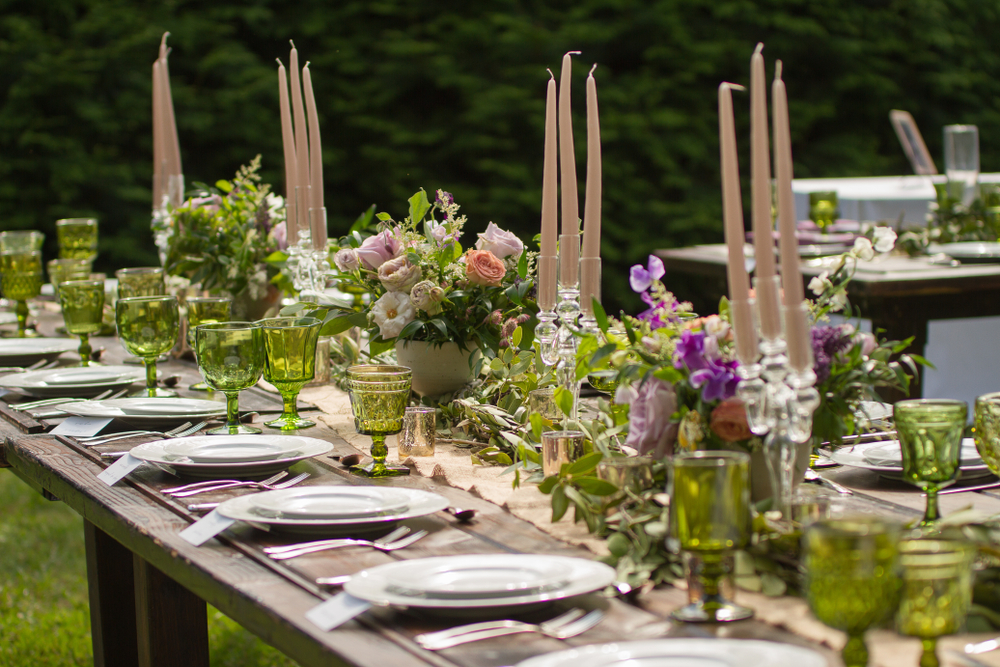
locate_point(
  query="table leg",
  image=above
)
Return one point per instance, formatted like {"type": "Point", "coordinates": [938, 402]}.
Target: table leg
{"type": "Point", "coordinates": [112, 599]}
{"type": "Point", "coordinates": [172, 622]}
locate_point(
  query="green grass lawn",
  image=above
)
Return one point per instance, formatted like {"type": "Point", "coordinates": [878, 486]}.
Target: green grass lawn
{"type": "Point", "coordinates": [44, 618]}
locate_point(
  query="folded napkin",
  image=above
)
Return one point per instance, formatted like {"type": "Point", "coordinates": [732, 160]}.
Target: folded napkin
{"type": "Point", "coordinates": [888, 455]}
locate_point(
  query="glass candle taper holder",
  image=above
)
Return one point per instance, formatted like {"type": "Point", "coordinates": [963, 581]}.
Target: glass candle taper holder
{"type": "Point", "coordinates": [22, 280]}
{"type": "Point", "coordinates": [82, 304]}
{"type": "Point", "coordinates": [205, 310]}
{"type": "Point", "coordinates": [379, 394]}
{"type": "Point", "coordinates": [231, 359]}
{"type": "Point", "coordinates": [930, 437]}
{"type": "Point", "coordinates": [289, 363]}
{"type": "Point", "coordinates": [77, 238]}
{"type": "Point", "coordinates": [148, 326]}
{"type": "Point", "coordinates": [419, 432]}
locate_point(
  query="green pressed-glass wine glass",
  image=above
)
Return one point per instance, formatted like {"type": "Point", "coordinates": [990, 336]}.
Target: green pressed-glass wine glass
{"type": "Point", "coordinates": [77, 238]}
{"type": "Point", "coordinates": [986, 417]}
{"type": "Point", "coordinates": [937, 591]}
{"type": "Point", "coordinates": [148, 326]}
{"type": "Point", "coordinates": [231, 359]}
{"type": "Point", "coordinates": [62, 270]}
{"type": "Point", "coordinates": [205, 310]}
{"type": "Point", "coordinates": [22, 280]}
{"type": "Point", "coordinates": [379, 395]}
{"type": "Point", "coordinates": [710, 518]}
{"type": "Point", "coordinates": [823, 208]}
{"type": "Point", "coordinates": [852, 577]}
{"type": "Point", "coordinates": [21, 241]}
{"type": "Point", "coordinates": [930, 436]}
{"type": "Point", "coordinates": [290, 362]}
{"type": "Point", "coordinates": [82, 304]}
{"type": "Point", "coordinates": [140, 281]}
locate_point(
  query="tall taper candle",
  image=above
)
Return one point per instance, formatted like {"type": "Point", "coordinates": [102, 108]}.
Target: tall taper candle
{"type": "Point", "coordinates": [318, 222]}
{"type": "Point", "coordinates": [791, 274]}
{"type": "Point", "coordinates": [301, 141]}
{"type": "Point", "coordinates": [172, 146]}
{"type": "Point", "coordinates": [760, 180]}
{"type": "Point", "coordinates": [159, 179]}
{"type": "Point", "coordinates": [288, 143]}
{"type": "Point", "coordinates": [592, 205]}
{"type": "Point", "coordinates": [550, 205]}
{"type": "Point", "coordinates": [568, 270]}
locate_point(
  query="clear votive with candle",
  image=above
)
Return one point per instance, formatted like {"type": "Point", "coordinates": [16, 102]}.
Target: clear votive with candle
{"type": "Point", "coordinates": [559, 447]}
{"type": "Point", "coordinates": [542, 401]}
{"type": "Point", "coordinates": [417, 436]}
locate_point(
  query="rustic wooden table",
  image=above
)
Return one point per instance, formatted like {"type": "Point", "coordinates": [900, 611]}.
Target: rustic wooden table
{"type": "Point", "coordinates": [148, 587]}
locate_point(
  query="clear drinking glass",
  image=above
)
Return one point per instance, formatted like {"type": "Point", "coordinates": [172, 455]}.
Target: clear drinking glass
{"type": "Point", "coordinates": [22, 280]}
{"type": "Point", "coordinates": [852, 577]}
{"type": "Point", "coordinates": [419, 432]}
{"type": "Point", "coordinates": [77, 238]}
{"type": "Point", "coordinates": [823, 208]}
{"type": "Point", "coordinates": [629, 473]}
{"type": "Point", "coordinates": [542, 401]}
{"type": "Point", "coordinates": [82, 304]}
{"type": "Point", "coordinates": [148, 326]}
{"type": "Point", "coordinates": [290, 362]}
{"type": "Point", "coordinates": [231, 359]}
{"type": "Point", "coordinates": [205, 310]}
{"type": "Point", "coordinates": [140, 281]}
{"type": "Point", "coordinates": [21, 241]}
{"type": "Point", "coordinates": [710, 516]}
{"type": "Point", "coordinates": [61, 270]}
{"type": "Point", "coordinates": [378, 400]}
{"type": "Point", "coordinates": [930, 437]}
{"type": "Point", "coordinates": [961, 161]}
{"type": "Point", "coordinates": [937, 591]}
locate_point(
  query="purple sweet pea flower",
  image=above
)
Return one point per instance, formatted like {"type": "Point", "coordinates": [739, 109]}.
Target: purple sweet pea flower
{"type": "Point", "coordinates": [641, 278]}
{"type": "Point", "coordinates": [690, 351]}
{"type": "Point", "coordinates": [717, 380]}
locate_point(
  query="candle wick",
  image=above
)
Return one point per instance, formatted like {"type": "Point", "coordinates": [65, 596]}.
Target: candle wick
{"type": "Point", "coordinates": [777, 70]}
{"type": "Point", "coordinates": [550, 73]}
{"type": "Point", "coordinates": [278, 60]}
{"type": "Point", "coordinates": [573, 53]}
{"type": "Point", "coordinates": [592, 70]}
{"type": "Point", "coordinates": [292, 42]}
{"type": "Point", "coordinates": [733, 86]}
{"type": "Point", "coordinates": [759, 49]}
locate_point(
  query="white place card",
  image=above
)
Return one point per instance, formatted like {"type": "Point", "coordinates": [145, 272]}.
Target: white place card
{"type": "Point", "coordinates": [337, 610]}
{"type": "Point", "coordinates": [206, 528]}
{"type": "Point", "coordinates": [81, 427]}
{"type": "Point", "coordinates": [119, 469]}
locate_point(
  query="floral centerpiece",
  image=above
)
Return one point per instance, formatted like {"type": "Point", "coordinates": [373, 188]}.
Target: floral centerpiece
{"type": "Point", "coordinates": [425, 286]}
{"type": "Point", "coordinates": [229, 240]}
{"type": "Point", "coordinates": [951, 221]}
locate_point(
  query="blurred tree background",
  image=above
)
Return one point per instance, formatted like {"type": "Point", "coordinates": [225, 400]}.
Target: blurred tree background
{"type": "Point", "coordinates": [450, 94]}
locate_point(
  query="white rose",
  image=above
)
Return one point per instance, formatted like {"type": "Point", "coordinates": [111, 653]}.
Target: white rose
{"type": "Point", "coordinates": [501, 243]}
{"type": "Point", "coordinates": [391, 313]}
{"type": "Point", "coordinates": [885, 239]}
{"type": "Point", "coordinates": [398, 275]}
{"type": "Point", "coordinates": [863, 249]}
{"type": "Point", "coordinates": [715, 326]}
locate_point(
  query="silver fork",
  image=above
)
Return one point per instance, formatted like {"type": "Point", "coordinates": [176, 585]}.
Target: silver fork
{"type": "Point", "coordinates": [57, 401]}
{"type": "Point", "coordinates": [334, 544]}
{"type": "Point", "coordinates": [399, 532]}
{"type": "Point", "coordinates": [268, 486]}
{"type": "Point", "coordinates": [184, 429]}
{"type": "Point", "coordinates": [215, 482]}
{"type": "Point", "coordinates": [55, 410]}
{"type": "Point", "coordinates": [503, 628]}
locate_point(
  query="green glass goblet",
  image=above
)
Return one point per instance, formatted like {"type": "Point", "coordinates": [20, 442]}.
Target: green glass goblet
{"type": "Point", "coordinates": [140, 281]}
{"type": "Point", "coordinates": [205, 310]}
{"type": "Point", "coordinates": [77, 238]}
{"type": "Point", "coordinates": [62, 270]}
{"type": "Point", "coordinates": [823, 208]}
{"type": "Point", "coordinates": [710, 518]}
{"type": "Point", "coordinates": [607, 382]}
{"type": "Point", "coordinates": [82, 304]}
{"type": "Point", "coordinates": [937, 591]}
{"type": "Point", "coordinates": [379, 395]}
{"type": "Point", "coordinates": [22, 280]}
{"type": "Point", "coordinates": [231, 359]}
{"type": "Point", "coordinates": [290, 362]}
{"type": "Point", "coordinates": [852, 577]}
{"type": "Point", "coordinates": [148, 326]}
{"type": "Point", "coordinates": [986, 417]}
{"type": "Point", "coordinates": [930, 436]}
{"type": "Point", "coordinates": [21, 241]}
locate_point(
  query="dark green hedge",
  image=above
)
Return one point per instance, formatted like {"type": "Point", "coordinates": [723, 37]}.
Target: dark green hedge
{"type": "Point", "coordinates": [450, 94]}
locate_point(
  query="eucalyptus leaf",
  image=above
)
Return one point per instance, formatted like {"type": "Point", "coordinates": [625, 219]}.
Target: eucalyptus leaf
{"type": "Point", "coordinates": [560, 503]}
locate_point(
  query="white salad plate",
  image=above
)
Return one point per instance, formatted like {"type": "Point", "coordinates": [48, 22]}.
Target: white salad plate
{"type": "Point", "coordinates": [248, 508]}
{"type": "Point", "coordinates": [331, 502]}
{"type": "Point", "coordinates": [26, 351]}
{"type": "Point", "coordinates": [885, 458]}
{"type": "Point", "coordinates": [7, 317]}
{"type": "Point", "coordinates": [83, 382]}
{"type": "Point", "coordinates": [681, 652]}
{"type": "Point", "coordinates": [393, 583]}
{"type": "Point", "coordinates": [296, 448]}
{"type": "Point", "coordinates": [969, 252]}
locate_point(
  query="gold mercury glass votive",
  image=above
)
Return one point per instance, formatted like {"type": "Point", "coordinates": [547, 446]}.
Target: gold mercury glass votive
{"type": "Point", "coordinates": [418, 434]}
{"type": "Point", "coordinates": [559, 447]}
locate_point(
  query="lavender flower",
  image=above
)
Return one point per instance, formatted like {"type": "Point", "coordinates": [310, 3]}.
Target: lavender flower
{"type": "Point", "coordinates": [641, 278]}
{"type": "Point", "coordinates": [827, 342]}
{"type": "Point", "coordinates": [690, 351]}
{"type": "Point", "coordinates": [717, 380]}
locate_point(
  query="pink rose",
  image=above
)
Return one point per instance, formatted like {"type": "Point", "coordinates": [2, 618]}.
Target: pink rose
{"type": "Point", "coordinates": [729, 421]}
{"type": "Point", "coordinates": [398, 275]}
{"type": "Point", "coordinates": [867, 342]}
{"type": "Point", "coordinates": [484, 268]}
{"type": "Point", "coordinates": [378, 249]}
{"type": "Point", "coordinates": [346, 259]}
{"type": "Point", "coordinates": [499, 242]}
{"type": "Point", "coordinates": [280, 235]}
{"type": "Point", "coordinates": [649, 427]}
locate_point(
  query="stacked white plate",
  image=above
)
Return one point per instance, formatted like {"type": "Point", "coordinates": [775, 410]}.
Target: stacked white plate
{"type": "Point", "coordinates": [26, 351]}
{"type": "Point", "coordinates": [82, 382]}
{"type": "Point", "coordinates": [686, 652]}
{"type": "Point", "coordinates": [333, 510]}
{"type": "Point", "coordinates": [885, 458]}
{"type": "Point", "coordinates": [227, 456]}
{"type": "Point", "coordinates": [149, 411]}
{"type": "Point", "coordinates": [480, 581]}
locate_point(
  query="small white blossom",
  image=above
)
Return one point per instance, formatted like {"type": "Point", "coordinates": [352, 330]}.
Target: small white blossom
{"type": "Point", "coordinates": [863, 249]}
{"type": "Point", "coordinates": [838, 301]}
{"type": "Point", "coordinates": [885, 239]}
{"type": "Point", "coordinates": [820, 283]}
{"type": "Point", "coordinates": [391, 313]}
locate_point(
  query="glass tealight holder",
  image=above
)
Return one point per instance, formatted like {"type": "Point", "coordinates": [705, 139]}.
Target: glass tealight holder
{"type": "Point", "coordinates": [561, 447]}
{"type": "Point", "coordinates": [140, 281]}
{"type": "Point", "coordinates": [77, 238]}
{"type": "Point", "coordinates": [419, 431]}
{"type": "Point", "coordinates": [61, 270]}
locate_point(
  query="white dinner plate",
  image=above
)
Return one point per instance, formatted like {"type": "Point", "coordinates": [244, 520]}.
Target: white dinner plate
{"type": "Point", "coordinates": [387, 584]}
{"type": "Point", "coordinates": [969, 252]}
{"type": "Point", "coordinates": [26, 351]}
{"type": "Point", "coordinates": [492, 576]}
{"type": "Point", "coordinates": [681, 652]}
{"type": "Point", "coordinates": [299, 447]}
{"type": "Point", "coordinates": [7, 317]}
{"type": "Point", "coordinates": [235, 449]}
{"type": "Point", "coordinates": [878, 456]}
{"type": "Point", "coordinates": [331, 502]}
{"type": "Point", "coordinates": [148, 411]}
{"type": "Point", "coordinates": [83, 382]}
{"type": "Point", "coordinates": [418, 503]}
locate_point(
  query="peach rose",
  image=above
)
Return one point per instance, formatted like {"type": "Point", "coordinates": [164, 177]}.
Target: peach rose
{"type": "Point", "coordinates": [729, 421]}
{"type": "Point", "coordinates": [484, 268]}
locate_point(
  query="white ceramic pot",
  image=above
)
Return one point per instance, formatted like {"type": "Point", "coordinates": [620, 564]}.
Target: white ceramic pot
{"type": "Point", "coordinates": [437, 369]}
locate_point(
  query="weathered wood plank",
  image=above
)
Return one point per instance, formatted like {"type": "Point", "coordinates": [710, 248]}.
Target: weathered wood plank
{"type": "Point", "coordinates": [112, 599]}
{"type": "Point", "coordinates": [171, 623]}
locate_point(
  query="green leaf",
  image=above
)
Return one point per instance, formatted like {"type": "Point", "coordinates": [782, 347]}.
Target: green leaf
{"type": "Point", "coordinates": [522, 266]}
{"type": "Point", "coordinates": [595, 486]}
{"type": "Point", "coordinates": [537, 424]}
{"type": "Point", "coordinates": [363, 220]}
{"type": "Point", "coordinates": [548, 484]}
{"type": "Point", "coordinates": [515, 338]}
{"type": "Point", "coordinates": [377, 346]}
{"type": "Point", "coordinates": [564, 399]}
{"type": "Point", "coordinates": [419, 206]}
{"type": "Point", "coordinates": [225, 186]}
{"type": "Point", "coordinates": [560, 503]}
{"type": "Point", "coordinates": [585, 464]}
{"type": "Point", "coordinates": [384, 217]}
{"type": "Point", "coordinates": [600, 316]}
{"type": "Point", "coordinates": [411, 329]}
